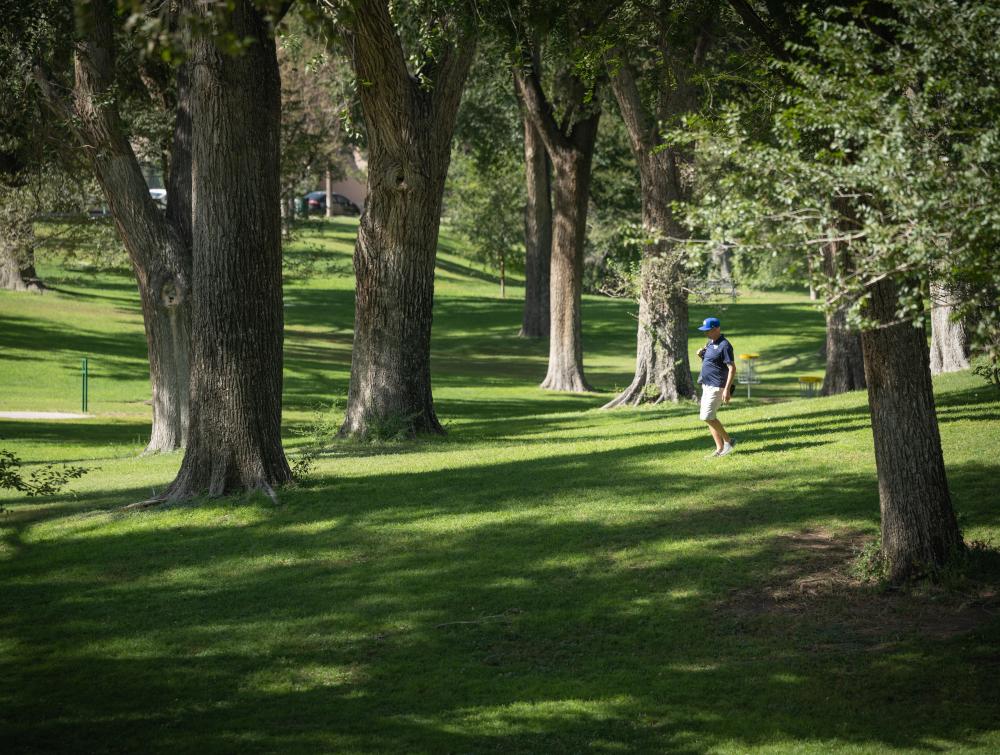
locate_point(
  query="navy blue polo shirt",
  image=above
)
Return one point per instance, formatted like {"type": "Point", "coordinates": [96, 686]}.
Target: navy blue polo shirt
{"type": "Point", "coordinates": [714, 369]}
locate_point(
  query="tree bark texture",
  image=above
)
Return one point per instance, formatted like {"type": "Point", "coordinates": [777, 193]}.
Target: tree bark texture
{"type": "Point", "coordinates": [570, 147]}
{"type": "Point", "coordinates": [949, 338]}
{"type": "Point", "coordinates": [410, 128]}
{"type": "Point", "coordinates": [722, 264]}
{"type": "Point", "coordinates": [17, 258]}
{"type": "Point", "coordinates": [178, 182]}
{"type": "Point", "coordinates": [662, 367]}
{"type": "Point", "coordinates": [158, 244]}
{"type": "Point", "coordinates": [845, 364]}
{"type": "Point", "coordinates": [234, 441]}
{"type": "Point", "coordinates": [537, 234]}
{"type": "Point", "coordinates": [919, 529]}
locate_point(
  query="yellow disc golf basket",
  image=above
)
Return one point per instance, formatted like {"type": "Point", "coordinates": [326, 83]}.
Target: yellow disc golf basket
{"type": "Point", "coordinates": [747, 375]}
{"type": "Point", "coordinates": [809, 385]}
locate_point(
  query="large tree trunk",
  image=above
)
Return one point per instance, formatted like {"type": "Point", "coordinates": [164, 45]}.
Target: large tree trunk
{"type": "Point", "coordinates": [17, 256]}
{"type": "Point", "coordinates": [537, 235]}
{"type": "Point", "coordinates": [409, 127]}
{"type": "Point", "coordinates": [570, 147]}
{"type": "Point", "coordinates": [919, 529]}
{"type": "Point", "coordinates": [845, 364]}
{"type": "Point", "coordinates": [572, 194]}
{"type": "Point", "coordinates": [234, 441]}
{"type": "Point", "coordinates": [949, 338]}
{"type": "Point", "coordinates": [394, 258]}
{"type": "Point", "coordinates": [722, 264]}
{"type": "Point", "coordinates": [158, 245]}
{"type": "Point", "coordinates": [662, 367]}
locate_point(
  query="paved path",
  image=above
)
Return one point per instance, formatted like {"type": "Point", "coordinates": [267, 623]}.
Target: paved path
{"type": "Point", "coordinates": [42, 415]}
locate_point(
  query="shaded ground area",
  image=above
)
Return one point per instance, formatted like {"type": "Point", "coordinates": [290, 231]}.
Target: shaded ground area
{"type": "Point", "coordinates": [547, 578]}
{"type": "Point", "coordinates": [41, 415]}
{"type": "Point", "coordinates": [818, 586]}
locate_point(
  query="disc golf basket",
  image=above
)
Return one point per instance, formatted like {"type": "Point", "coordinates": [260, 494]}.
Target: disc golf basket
{"type": "Point", "coordinates": [747, 375]}
{"type": "Point", "coordinates": [809, 385]}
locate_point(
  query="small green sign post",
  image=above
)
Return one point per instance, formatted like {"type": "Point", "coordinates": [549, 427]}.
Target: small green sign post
{"type": "Point", "coordinates": [85, 375]}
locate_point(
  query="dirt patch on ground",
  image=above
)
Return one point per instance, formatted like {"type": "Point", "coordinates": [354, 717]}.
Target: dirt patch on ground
{"type": "Point", "coordinates": [816, 591]}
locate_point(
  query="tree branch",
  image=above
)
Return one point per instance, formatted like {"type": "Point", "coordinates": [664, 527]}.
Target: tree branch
{"type": "Point", "coordinates": [538, 108]}
{"type": "Point", "coordinates": [759, 28]}
{"type": "Point", "coordinates": [375, 49]}
{"type": "Point", "coordinates": [640, 127]}
{"type": "Point", "coordinates": [452, 70]}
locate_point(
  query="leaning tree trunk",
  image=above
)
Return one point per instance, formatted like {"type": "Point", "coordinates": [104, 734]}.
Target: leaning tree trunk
{"type": "Point", "coordinates": [845, 364]}
{"type": "Point", "coordinates": [234, 441]}
{"type": "Point", "coordinates": [409, 128]}
{"type": "Point", "coordinates": [949, 337]}
{"type": "Point", "coordinates": [919, 529]}
{"type": "Point", "coordinates": [537, 234]}
{"type": "Point", "coordinates": [572, 195]}
{"type": "Point", "coordinates": [158, 249]}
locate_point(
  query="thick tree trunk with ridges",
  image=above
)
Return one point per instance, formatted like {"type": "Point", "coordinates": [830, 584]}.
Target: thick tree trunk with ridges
{"type": "Point", "coordinates": [410, 127]}
{"type": "Point", "coordinates": [234, 442]}
{"type": "Point", "coordinates": [662, 366]}
{"type": "Point", "coordinates": [17, 257]}
{"type": "Point", "coordinates": [572, 192]}
{"type": "Point", "coordinates": [537, 235]}
{"type": "Point", "coordinates": [845, 363]}
{"type": "Point", "coordinates": [394, 258]}
{"type": "Point", "coordinates": [919, 529]}
{"type": "Point", "coordinates": [158, 245]}
{"type": "Point", "coordinates": [949, 338]}
{"type": "Point", "coordinates": [662, 369]}
{"type": "Point", "coordinates": [570, 147]}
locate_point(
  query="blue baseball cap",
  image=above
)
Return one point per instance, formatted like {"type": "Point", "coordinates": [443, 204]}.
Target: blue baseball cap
{"type": "Point", "coordinates": [710, 322]}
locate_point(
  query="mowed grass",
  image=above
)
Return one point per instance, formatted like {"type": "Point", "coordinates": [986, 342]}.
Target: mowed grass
{"type": "Point", "coordinates": [548, 577]}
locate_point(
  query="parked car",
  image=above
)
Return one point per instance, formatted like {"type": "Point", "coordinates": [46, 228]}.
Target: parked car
{"type": "Point", "coordinates": [316, 203]}
{"type": "Point", "coordinates": [160, 197]}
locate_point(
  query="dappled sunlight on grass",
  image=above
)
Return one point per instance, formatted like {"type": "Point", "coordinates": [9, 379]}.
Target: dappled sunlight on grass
{"type": "Point", "coordinates": [547, 577]}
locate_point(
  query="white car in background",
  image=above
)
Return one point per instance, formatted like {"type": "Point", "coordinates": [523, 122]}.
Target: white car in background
{"type": "Point", "coordinates": [160, 197]}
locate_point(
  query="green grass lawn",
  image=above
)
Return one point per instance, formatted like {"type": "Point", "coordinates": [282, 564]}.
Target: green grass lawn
{"type": "Point", "coordinates": [547, 578]}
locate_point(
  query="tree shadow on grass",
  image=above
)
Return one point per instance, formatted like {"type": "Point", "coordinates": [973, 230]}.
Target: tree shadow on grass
{"type": "Point", "coordinates": [79, 433]}
{"type": "Point", "coordinates": [31, 336]}
{"type": "Point", "coordinates": [466, 610]}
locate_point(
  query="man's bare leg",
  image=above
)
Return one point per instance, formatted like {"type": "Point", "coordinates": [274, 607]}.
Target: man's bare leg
{"type": "Point", "coordinates": [715, 434]}
{"type": "Point", "coordinates": [718, 432]}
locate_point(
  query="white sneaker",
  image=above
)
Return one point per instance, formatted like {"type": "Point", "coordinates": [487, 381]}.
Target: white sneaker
{"type": "Point", "coordinates": [726, 450]}
{"type": "Point", "coordinates": [714, 453]}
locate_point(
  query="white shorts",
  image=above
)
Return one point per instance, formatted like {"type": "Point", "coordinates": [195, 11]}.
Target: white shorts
{"type": "Point", "coordinates": [711, 397]}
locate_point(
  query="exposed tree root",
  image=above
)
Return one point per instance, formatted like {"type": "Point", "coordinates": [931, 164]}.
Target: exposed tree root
{"type": "Point", "coordinates": [637, 394]}
{"type": "Point", "coordinates": [170, 496]}
{"type": "Point", "coordinates": [631, 396]}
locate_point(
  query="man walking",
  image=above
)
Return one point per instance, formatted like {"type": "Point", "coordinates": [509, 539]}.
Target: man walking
{"type": "Point", "coordinates": [718, 370]}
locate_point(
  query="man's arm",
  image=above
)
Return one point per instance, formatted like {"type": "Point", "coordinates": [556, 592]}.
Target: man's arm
{"type": "Point", "coordinates": [729, 383]}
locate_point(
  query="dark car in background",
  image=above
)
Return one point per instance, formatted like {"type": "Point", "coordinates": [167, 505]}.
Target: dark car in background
{"type": "Point", "coordinates": [316, 203]}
